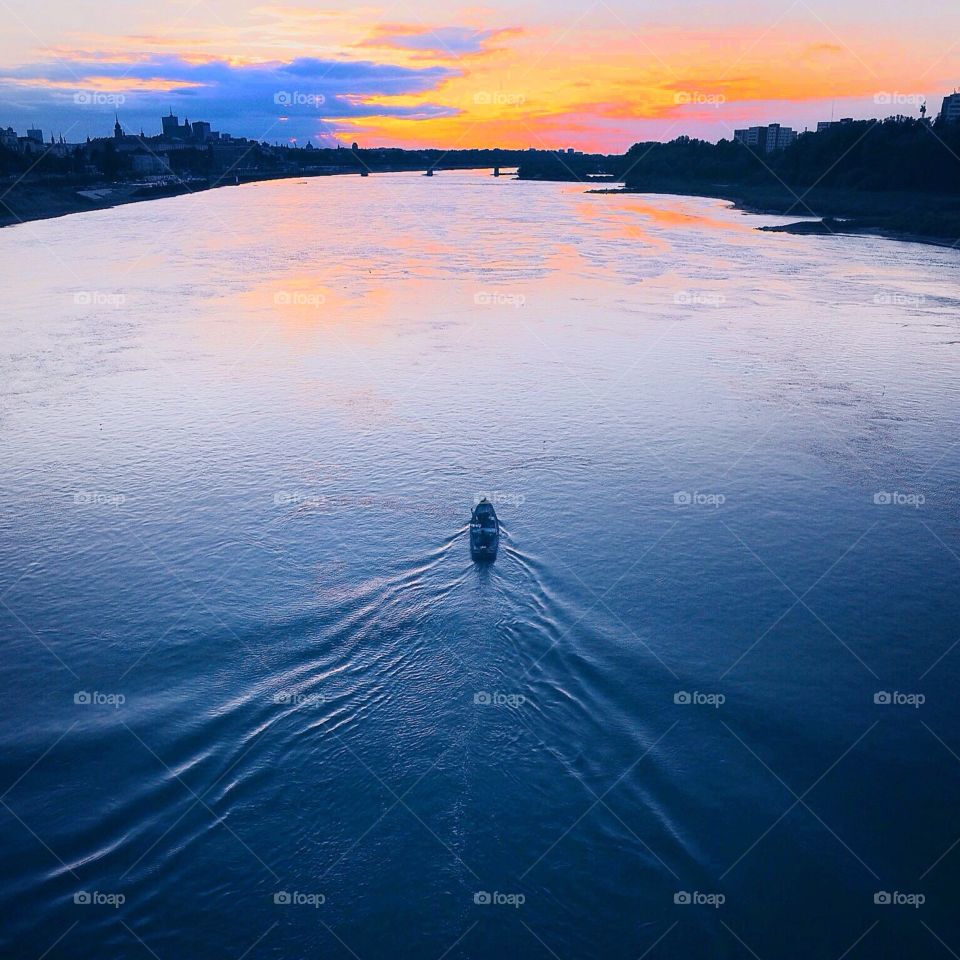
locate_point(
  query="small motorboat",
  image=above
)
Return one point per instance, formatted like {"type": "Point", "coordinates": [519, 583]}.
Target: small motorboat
{"type": "Point", "coordinates": [484, 531]}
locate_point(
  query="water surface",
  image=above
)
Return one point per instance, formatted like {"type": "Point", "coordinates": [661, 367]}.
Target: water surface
{"type": "Point", "coordinates": [242, 433]}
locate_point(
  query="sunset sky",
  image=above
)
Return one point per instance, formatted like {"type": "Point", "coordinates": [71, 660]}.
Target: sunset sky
{"type": "Point", "coordinates": [543, 73]}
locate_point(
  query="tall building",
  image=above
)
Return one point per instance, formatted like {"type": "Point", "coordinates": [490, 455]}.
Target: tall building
{"type": "Point", "coordinates": [172, 129]}
{"type": "Point", "coordinates": [769, 139]}
{"type": "Point", "coordinates": [950, 111]}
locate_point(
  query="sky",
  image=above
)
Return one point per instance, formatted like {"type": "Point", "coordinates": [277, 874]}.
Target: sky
{"type": "Point", "coordinates": [596, 75]}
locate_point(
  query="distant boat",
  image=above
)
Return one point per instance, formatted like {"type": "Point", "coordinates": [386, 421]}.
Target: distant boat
{"type": "Point", "coordinates": [484, 531]}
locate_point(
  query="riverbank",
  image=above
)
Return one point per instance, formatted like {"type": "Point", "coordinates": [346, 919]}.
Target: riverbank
{"type": "Point", "coordinates": [46, 199]}
{"type": "Point", "coordinates": [913, 217]}
{"type": "Point", "coordinates": [25, 202]}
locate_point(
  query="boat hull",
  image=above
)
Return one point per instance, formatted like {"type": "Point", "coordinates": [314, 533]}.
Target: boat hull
{"type": "Point", "coordinates": [484, 543]}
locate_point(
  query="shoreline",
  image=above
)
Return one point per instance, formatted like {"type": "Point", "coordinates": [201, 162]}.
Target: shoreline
{"type": "Point", "coordinates": [45, 200]}
{"type": "Point", "coordinates": [833, 221]}
{"type": "Point", "coordinates": [32, 201]}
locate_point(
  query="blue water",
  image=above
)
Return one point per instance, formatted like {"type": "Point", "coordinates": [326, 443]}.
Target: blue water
{"type": "Point", "coordinates": [242, 433]}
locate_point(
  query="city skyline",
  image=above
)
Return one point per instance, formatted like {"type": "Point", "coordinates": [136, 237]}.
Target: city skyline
{"type": "Point", "coordinates": [596, 78]}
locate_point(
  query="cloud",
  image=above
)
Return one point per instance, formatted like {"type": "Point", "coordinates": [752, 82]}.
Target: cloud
{"type": "Point", "coordinates": [435, 42]}
{"type": "Point", "coordinates": [304, 95]}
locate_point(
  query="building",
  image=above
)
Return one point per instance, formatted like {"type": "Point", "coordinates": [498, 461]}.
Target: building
{"type": "Point", "coordinates": [827, 124]}
{"type": "Point", "coordinates": [36, 136]}
{"type": "Point", "coordinates": [197, 132]}
{"type": "Point", "coordinates": [172, 130]}
{"type": "Point", "coordinates": [8, 139]}
{"type": "Point", "coordinates": [768, 139]}
{"type": "Point", "coordinates": [950, 111]}
{"type": "Point", "coordinates": [148, 164]}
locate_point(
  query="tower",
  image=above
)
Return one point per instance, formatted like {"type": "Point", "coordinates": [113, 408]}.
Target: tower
{"type": "Point", "coordinates": [171, 126]}
{"type": "Point", "coordinates": [117, 129]}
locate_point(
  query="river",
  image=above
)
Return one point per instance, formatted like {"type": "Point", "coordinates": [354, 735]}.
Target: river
{"type": "Point", "coordinates": [259, 702]}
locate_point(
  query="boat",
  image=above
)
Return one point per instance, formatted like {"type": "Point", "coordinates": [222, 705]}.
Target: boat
{"type": "Point", "coordinates": [429, 173]}
{"type": "Point", "coordinates": [484, 531]}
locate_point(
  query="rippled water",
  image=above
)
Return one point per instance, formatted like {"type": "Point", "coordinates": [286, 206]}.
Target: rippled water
{"type": "Point", "coordinates": [242, 433]}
